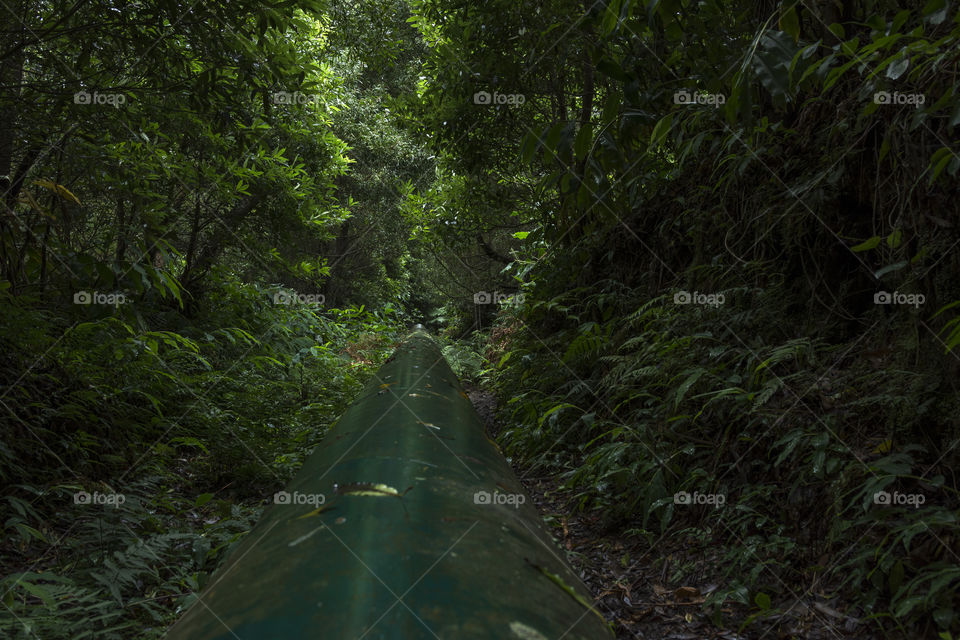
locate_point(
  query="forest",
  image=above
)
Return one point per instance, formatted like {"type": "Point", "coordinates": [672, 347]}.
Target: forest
{"type": "Point", "coordinates": [697, 263]}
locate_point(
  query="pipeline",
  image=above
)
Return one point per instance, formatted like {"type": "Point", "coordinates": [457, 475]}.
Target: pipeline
{"type": "Point", "coordinates": [406, 522]}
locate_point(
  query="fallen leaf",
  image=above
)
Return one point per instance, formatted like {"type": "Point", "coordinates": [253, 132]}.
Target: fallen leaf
{"type": "Point", "coordinates": [368, 489]}
{"type": "Point", "coordinates": [316, 512]}
{"type": "Point", "coordinates": [884, 447]}
{"type": "Point", "coordinates": [557, 580]}
{"type": "Point", "coordinates": [824, 609]}
{"type": "Point", "coordinates": [686, 594]}
{"type": "Point", "coordinates": [524, 632]}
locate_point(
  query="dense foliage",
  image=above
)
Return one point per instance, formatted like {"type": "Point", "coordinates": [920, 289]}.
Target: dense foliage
{"type": "Point", "coordinates": [705, 252]}
{"type": "Point", "coordinates": [739, 273]}
{"type": "Point", "coordinates": [173, 346]}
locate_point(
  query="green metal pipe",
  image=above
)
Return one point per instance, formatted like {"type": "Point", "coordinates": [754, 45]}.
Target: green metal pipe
{"type": "Point", "coordinates": [406, 522]}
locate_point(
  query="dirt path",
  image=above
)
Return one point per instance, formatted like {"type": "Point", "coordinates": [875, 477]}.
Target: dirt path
{"type": "Point", "coordinates": [637, 589]}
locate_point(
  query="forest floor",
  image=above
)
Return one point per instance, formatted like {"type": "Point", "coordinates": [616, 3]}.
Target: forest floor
{"type": "Point", "coordinates": [633, 581]}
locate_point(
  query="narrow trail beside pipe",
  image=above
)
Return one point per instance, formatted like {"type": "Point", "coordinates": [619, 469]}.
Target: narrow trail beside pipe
{"type": "Point", "coordinates": [632, 582]}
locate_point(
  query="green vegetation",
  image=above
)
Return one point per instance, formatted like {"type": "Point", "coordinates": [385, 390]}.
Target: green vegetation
{"type": "Point", "coordinates": [701, 250]}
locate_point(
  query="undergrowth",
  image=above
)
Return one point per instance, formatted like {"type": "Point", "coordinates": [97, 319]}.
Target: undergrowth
{"type": "Point", "coordinates": [821, 469]}
{"type": "Point", "coordinates": [141, 444]}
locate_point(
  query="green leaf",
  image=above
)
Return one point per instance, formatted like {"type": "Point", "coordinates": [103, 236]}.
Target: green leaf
{"type": "Point", "coordinates": [955, 116]}
{"type": "Point", "coordinates": [612, 70]}
{"type": "Point", "coordinates": [894, 239]}
{"type": "Point", "coordinates": [660, 130]}
{"type": "Point", "coordinates": [528, 147]}
{"type": "Point", "coordinates": [935, 11]}
{"type": "Point", "coordinates": [898, 67]}
{"type": "Point", "coordinates": [836, 74]}
{"type": "Point", "coordinates": [171, 285]}
{"type": "Point", "coordinates": [907, 605]}
{"type": "Point", "coordinates": [899, 20]}
{"type": "Point", "coordinates": [686, 384]}
{"type": "Point", "coordinates": [610, 18]}
{"type": "Point", "coordinates": [867, 245]}
{"type": "Point", "coordinates": [582, 144]}
{"type": "Point", "coordinates": [203, 499]}
{"type": "Point", "coordinates": [938, 162]}
{"type": "Point", "coordinates": [772, 62]}
{"type": "Point", "coordinates": [944, 617]}
{"type": "Point", "coordinates": [762, 600]}
{"type": "Point", "coordinates": [39, 592]}
{"type": "Point", "coordinates": [790, 23]}
{"type": "Point", "coordinates": [947, 307]}
{"type": "Point", "coordinates": [189, 441]}
{"type": "Point", "coordinates": [884, 147]}
{"type": "Point", "coordinates": [895, 579]}
{"type": "Point", "coordinates": [552, 138]}
{"type": "Point", "coordinates": [611, 107]}
{"type": "Point", "coordinates": [28, 532]}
